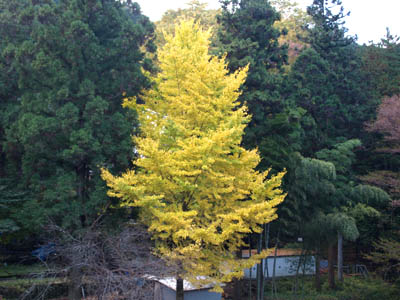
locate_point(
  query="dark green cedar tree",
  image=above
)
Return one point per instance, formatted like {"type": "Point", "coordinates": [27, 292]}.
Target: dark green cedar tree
{"type": "Point", "coordinates": [327, 81]}
{"type": "Point", "coordinates": [71, 63]}
{"type": "Point", "coordinates": [381, 63]}
{"type": "Point", "coordinates": [246, 33]}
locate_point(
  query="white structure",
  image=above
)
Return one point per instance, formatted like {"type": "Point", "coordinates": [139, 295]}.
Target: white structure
{"type": "Point", "coordinates": [287, 261]}
{"type": "Point", "coordinates": [165, 289]}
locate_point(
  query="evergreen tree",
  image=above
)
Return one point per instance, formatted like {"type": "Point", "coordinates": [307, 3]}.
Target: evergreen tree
{"type": "Point", "coordinates": [11, 199]}
{"type": "Point", "coordinates": [247, 35]}
{"type": "Point", "coordinates": [324, 201]}
{"type": "Point", "coordinates": [71, 62]}
{"type": "Point", "coordinates": [381, 63]}
{"type": "Point", "coordinates": [13, 31]}
{"type": "Point", "coordinates": [327, 34]}
{"type": "Point", "coordinates": [327, 81]}
{"type": "Point", "coordinates": [197, 188]}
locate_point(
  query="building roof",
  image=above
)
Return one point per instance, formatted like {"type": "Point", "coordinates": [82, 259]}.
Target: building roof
{"type": "Point", "coordinates": [187, 286]}
{"type": "Point", "coordinates": [280, 252]}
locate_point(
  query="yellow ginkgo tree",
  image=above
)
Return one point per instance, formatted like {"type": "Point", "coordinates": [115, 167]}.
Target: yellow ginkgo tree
{"type": "Point", "coordinates": [197, 188]}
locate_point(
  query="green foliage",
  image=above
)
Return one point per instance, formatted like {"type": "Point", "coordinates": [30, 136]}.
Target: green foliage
{"type": "Point", "coordinates": [368, 220]}
{"type": "Point", "coordinates": [343, 224]}
{"type": "Point", "coordinates": [352, 288]}
{"type": "Point", "coordinates": [381, 63]}
{"type": "Point", "coordinates": [327, 81]}
{"type": "Point", "coordinates": [357, 200]}
{"type": "Point", "coordinates": [372, 289]}
{"type": "Point", "coordinates": [72, 62]}
{"type": "Point", "coordinates": [326, 189]}
{"type": "Point", "coordinates": [328, 90]}
{"type": "Point", "coordinates": [247, 35]}
{"type": "Point", "coordinates": [326, 34]}
{"type": "Point", "coordinates": [17, 270]}
{"type": "Point", "coordinates": [326, 297]}
{"type": "Point", "coordinates": [11, 201]}
{"type": "Point", "coordinates": [15, 288]}
{"type": "Point", "coordinates": [342, 155]}
{"type": "Point", "coordinates": [323, 229]}
{"type": "Point", "coordinates": [371, 195]}
{"type": "Point", "coordinates": [386, 256]}
{"type": "Point", "coordinates": [310, 189]}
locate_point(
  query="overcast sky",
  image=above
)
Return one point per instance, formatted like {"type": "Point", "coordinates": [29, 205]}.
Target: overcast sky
{"type": "Point", "coordinates": [368, 18]}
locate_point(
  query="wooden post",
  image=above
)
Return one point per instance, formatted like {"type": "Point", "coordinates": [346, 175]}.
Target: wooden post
{"type": "Point", "coordinates": [179, 288]}
{"type": "Point", "coordinates": [317, 272]}
{"type": "Point", "coordinates": [331, 270]}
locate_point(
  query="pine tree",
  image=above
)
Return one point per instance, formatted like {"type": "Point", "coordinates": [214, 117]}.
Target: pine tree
{"type": "Point", "coordinates": [327, 81]}
{"type": "Point", "coordinates": [197, 188]}
{"type": "Point", "coordinates": [11, 199]}
{"type": "Point", "coordinates": [381, 64]}
{"type": "Point", "coordinates": [326, 33]}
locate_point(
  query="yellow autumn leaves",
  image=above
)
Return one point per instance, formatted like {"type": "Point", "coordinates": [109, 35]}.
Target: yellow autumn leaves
{"type": "Point", "coordinates": [197, 188]}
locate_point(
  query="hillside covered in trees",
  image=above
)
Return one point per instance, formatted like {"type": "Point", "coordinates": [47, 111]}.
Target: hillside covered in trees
{"type": "Point", "coordinates": [258, 125]}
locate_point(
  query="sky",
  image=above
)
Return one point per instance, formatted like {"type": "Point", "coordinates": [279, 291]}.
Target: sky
{"type": "Point", "coordinates": [368, 19]}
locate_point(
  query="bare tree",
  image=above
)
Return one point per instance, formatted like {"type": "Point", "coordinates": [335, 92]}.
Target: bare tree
{"type": "Point", "coordinates": [103, 264]}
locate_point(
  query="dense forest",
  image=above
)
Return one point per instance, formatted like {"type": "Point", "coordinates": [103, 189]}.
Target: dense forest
{"type": "Point", "coordinates": [86, 104]}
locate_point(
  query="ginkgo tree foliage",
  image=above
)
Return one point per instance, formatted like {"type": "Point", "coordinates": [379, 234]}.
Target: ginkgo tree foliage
{"type": "Point", "coordinates": [197, 188]}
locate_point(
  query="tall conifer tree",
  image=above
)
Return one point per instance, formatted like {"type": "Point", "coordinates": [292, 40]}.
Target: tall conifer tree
{"type": "Point", "coordinates": [247, 35]}
{"type": "Point", "coordinates": [70, 63]}
{"type": "Point", "coordinates": [327, 81]}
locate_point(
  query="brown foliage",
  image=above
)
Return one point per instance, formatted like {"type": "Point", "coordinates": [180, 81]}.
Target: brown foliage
{"type": "Point", "coordinates": [388, 123]}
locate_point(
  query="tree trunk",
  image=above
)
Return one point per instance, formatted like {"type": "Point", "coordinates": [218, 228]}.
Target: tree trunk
{"type": "Point", "coordinates": [259, 268]}
{"type": "Point", "coordinates": [75, 282]}
{"type": "Point", "coordinates": [340, 257]}
{"type": "Point", "coordinates": [179, 289]}
{"type": "Point", "coordinates": [296, 280]}
{"type": "Point", "coordinates": [251, 269]}
{"type": "Point", "coordinates": [237, 284]}
{"type": "Point", "coordinates": [237, 289]}
{"type": "Point", "coordinates": [265, 266]}
{"type": "Point", "coordinates": [331, 270]}
{"type": "Point", "coordinates": [317, 272]}
{"type": "Point", "coordinates": [274, 289]}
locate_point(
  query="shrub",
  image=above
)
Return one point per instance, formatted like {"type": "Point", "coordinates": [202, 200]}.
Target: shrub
{"type": "Point", "coordinates": [326, 297]}
{"type": "Point", "coordinates": [371, 289]}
